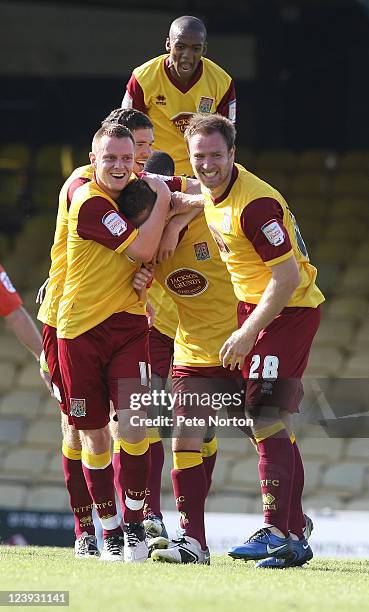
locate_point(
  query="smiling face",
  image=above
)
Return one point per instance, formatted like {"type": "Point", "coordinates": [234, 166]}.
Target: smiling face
{"type": "Point", "coordinates": [211, 161]}
{"type": "Point", "coordinates": [185, 47]}
{"type": "Point", "coordinates": [144, 139]}
{"type": "Point", "coordinates": [113, 163]}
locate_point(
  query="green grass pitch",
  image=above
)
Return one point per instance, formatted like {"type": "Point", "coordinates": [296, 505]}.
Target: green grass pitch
{"type": "Point", "coordinates": [227, 585]}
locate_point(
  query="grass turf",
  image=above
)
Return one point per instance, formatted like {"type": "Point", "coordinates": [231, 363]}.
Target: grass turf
{"type": "Point", "coordinates": [227, 585]}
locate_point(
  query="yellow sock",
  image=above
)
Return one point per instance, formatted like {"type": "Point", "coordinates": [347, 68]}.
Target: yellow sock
{"type": "Point", "coordinates": [183, 460]}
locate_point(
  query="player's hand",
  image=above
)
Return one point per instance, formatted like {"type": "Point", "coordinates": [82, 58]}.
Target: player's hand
{"type": "Point", "coordinates": [168, 243]}
{"type": "Point", "coordinates": [150, 314]}
{"type": "Point", "coordinates": [46, 378]}
{"type": "Point", "coordinates": [142, 278]}
{"type": "Point", "coordinates": [235, 349]}
{"type": "Point", "coordinates": [158, 185]}
{"type": "Point", "coordinates": [41, 292]}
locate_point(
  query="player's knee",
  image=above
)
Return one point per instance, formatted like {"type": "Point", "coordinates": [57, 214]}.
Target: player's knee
{"type": "Point", "coordinates": [96, 441]}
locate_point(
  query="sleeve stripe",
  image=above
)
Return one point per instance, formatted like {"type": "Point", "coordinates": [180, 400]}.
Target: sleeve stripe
{"type": "Point", "coordinates": [127, 242]}
{"type": "Point", "coordinates": [277, 260]}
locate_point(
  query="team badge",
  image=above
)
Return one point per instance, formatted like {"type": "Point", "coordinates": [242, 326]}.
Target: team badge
{"type": "Point", "coordinates": [205, 105]}
{"type": "Point", "coordinates": [201, 251]}
{"type": "Point", "coordinates": [268, 498]}
{"type": "Point", "coordinates": [114, 223]}
{"type": "Point", "coordinates": [273, 232]}
{"type": "Point", "coordinates": [226, 223]}
{"type": "Point", "coordinates": [77, 407]}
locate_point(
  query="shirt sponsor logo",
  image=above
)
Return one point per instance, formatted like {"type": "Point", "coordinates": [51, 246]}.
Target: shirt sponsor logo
{"type": "Point", "coordinates": [160, 100]}
{"type": "Point", "coordinates": [205, 105]}
{"type": "Point", "coordinates": [186, 282]}
{"type": "Point", "coordinates": [114, 223]}
{"type": "Point", "coordinates": [273, 232]}
{"type": "Point", "coordinates": [181, 121]}
{"type": "Point", "coordinates": [77, 407]}
{"type": "Point", "coordinates": [232, 111]}
{"type": "Point", "coordinates": [201, 251]}
{"type": "Point", "coordinates": [4, 278]}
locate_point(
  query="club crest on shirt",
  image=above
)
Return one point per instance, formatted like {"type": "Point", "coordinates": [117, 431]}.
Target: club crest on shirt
{"type": "Point", "coordinates": [273, 232]}
{"type": "Point", "coordinates": [226, 223]}
{"type": "Point", "coordinates": [114, 223]}
{"type": "Point", "coordinates": [77, 407]}
{"type": "Point", "coordinates": [202, 251]}
{"type": "Point", "coordinates": [205, 105]}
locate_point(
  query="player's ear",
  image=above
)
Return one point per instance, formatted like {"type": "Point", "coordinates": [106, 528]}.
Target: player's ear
{"type": "Point", "coordinates": [167, 45]}
{"type": "Point", "coordinates": [92, 157]}
{"type": "Point", "coordinates": [205, 48]}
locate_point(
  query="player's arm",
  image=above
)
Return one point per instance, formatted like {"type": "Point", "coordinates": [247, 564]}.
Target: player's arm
{"type": "Point", "coordinates": [134, 96]}
{"type": "Point", "coordinates": [172, 231]}
{"type": "Point", "coordinates": [285, 279]}
{"type": "Point", "coordinates": [21, 324]}
{"type": "Point", "coordinates": [263, 225]}
{"type": "Point", "coordinates": [182, 203]}
{"type": "Point", "coordinates": [145, 245]}
{"type": "Point", "coordinates": [193, 186]}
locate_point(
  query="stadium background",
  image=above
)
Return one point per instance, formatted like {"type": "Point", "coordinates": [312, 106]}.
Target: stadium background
{"type": "Point", "coordinates": [301, 76]}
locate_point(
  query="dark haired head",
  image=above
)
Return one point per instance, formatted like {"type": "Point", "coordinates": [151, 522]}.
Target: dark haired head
{"type": "Point", "coordinates": [160, 163]}
{"type": "Point", "coordinates": [131, 118]}
{"type": "Point", "coordinates": [136, 201]}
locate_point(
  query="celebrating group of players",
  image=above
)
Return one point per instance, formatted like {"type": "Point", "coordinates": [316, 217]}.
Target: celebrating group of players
{"type": "Point", "coordinates": [211, 253]}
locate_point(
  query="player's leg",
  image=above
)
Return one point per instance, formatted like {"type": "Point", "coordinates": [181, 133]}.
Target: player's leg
{"type": "Point", "coordinates": [161, 353]}
{"type": "Point", "coordinates": [128, 380]}
{"type": "Point", "coordinates": [274, 370]}
{"type": "Point", "coordinates": [300, 525]}
{"type": "Point", "coordinates": [189, 479]}
{"type": "Point", "coordinates": [83, 362]}
{"type": "Point", "coordinates": [80, 498]}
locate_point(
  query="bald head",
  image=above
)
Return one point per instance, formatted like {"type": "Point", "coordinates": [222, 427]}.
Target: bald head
{"type": "Point", "coordinates": [186, 44]}
{"type": "Point", "coordinates": [187, 24]}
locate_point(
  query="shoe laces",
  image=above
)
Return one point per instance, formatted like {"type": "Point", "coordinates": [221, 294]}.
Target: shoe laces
{"type": "Point", "coordinates": [133, 532]}
{"type": "Point", "coordinates": [259, 534]}
{"type": "Point", "coordinates": [113, 544]}
{"type": "Point", "coordinates": [180, 541]}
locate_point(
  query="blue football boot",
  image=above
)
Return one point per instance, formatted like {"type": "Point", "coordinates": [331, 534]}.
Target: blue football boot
{"type": "Point", "coordinates": [261, 545]}
{"type": "Point", "coordinates": [301, 554]}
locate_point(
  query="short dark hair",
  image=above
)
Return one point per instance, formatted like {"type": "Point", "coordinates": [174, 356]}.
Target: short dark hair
{"type": "Point", "coordinates": [160, 163]}
{"type": "Point", "coordinates": [209, 124]}
{"type": "Point", "coordinates": [131, 118]}
{"type": "Point", "coordinates": [116, 130]}
{"type": "Point", "coordinates": [136, 198]}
